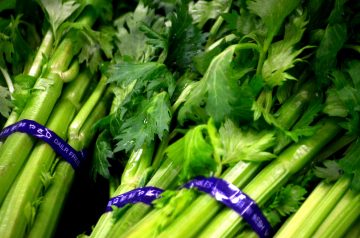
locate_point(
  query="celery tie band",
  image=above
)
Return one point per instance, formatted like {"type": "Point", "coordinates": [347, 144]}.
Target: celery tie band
{"type": "Point", "coordinates": [37, 130]}
{"type": "Point", "coordinates": [224, 192]}
{"type": "Point", "coordinates": [232, 197]}
{"type": "Point", "coordinates": [145, 195]}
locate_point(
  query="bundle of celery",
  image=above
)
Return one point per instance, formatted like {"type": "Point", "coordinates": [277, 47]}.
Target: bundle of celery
{"type": "Point", "coordinates": [58, 91]}
{"type": "Point", "coordinates": [232, 111]}
{"type": "Point", "coordinates": [255, 92]}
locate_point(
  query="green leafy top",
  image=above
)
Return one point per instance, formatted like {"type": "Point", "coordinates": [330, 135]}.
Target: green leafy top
{"type": "Point", "coordinates": [331, 171]}
{"type": "Point", "coordinates": [282, 54]}
{"type": "Point", "coordinates": [285, 202]}
{"type": "Point", "coordinates": [132, 42]}
{"type": "Point", "coordinates": [5, 102]}
{"type": "Point", "coordinates": [185, 39]}
{"type": "Point", "coordinates": [202, 11]}
{"type": "Point", "coordinates": [196, 152]}
{"type": "Point", "coordinates": [58, 11]}
{"type": "Point", "coordinates": [219, 88]}
{"type": "Point", "coordinates": [333, 39]}
{"type": "Point", "coordinates": [245, 144]}
{"type": "Point", "coordinates": [343, 98]}
{"type": "Point", "coordinates": [14, 48]}
{"type": "Point", "coordinates": [152, 118]}
{"type": "Point", "coordinates": [350, 164]}
{"type": "Point", "coordinates": [272, 13]}
{"type": "Point", "coordinates": [96, 44]}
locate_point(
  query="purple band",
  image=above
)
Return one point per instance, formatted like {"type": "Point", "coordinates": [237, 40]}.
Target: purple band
{"type": "Point", "coordinates": [145, 195]}
{"type": "Point", "coordinates": [232, 197]}
{"type": "Point", "coordinates": [39, 131]}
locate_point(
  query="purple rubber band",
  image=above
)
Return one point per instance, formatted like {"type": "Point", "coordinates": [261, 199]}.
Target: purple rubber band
{"type": "Point", "coordinates": [232, 197]}
{"type": "Point", "coordinates": [145, 195]}
{"type": "Point", "coordinates": [222, 191]}
{"type": "Point", "coordinates": [37, 130]}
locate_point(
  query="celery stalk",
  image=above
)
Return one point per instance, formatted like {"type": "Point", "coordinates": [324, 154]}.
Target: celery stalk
{"type": "Point", "coordinates": [46, 92]}
{"type": "Point", "coordinates": [54, 199]}
{"type": "Point", "coordinates": [317, 213]}
{"type": "Point", "coordinates": [265, 184]}
{"type": "Point", "coordinates": [14, 212]}
{"type": "Point", "coordinates": [341, 217]}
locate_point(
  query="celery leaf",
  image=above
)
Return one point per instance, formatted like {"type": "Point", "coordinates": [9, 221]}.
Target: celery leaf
{"type": "Point", "coordinates": [5, 102]}
{"type": "Point", "coordinates": [57, 11]}
{"type": "Point", "coordinates": [218, 89]}
{"type": "Point", "coordinates": [103, 152]}
{"type": "Point", "coordinates": [245, 144]}
{"type": "Point", "coordinates": [330, 172]}
{"type": "Point", "coordinates": [185, 39]}
{"type": "Point", "coordinates": [202, 11]}
{"type": "Point", "coordinates": [272, 12]}
{"type": "Point", "coordinates": [350, 164]}
{"type": "Point", "coordinates": [151, 118]}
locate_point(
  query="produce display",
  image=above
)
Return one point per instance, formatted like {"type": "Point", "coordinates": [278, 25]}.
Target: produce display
{"type": "Point", "coordinates": [207, 118]}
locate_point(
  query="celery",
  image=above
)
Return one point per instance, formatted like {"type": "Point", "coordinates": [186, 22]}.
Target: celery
{"type": "Point", "coordinates": [15, 212]}
{"type": "Point", "coordinates": [55, 197]}
{"type": "Point", "coordinates": [46, 92]}
{"type": "Point", "coordinates": [273, 176]}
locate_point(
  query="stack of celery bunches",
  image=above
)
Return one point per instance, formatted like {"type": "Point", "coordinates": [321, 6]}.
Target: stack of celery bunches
{"type": "Point", "coordinates": [263, 94]}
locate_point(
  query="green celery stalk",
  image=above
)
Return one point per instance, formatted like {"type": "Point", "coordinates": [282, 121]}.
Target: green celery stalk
{"type": "Point", "coordinates": [341, 217]}
{"type": "Point", "coordinates": [169, 170]}
{"type": "Point", "coordinates": [311, 202]}
{"type": "Point", "coordinates": [265, 184]}
{"type": "Point", "coordinates": [315, 211]}
{"type": "Point", "coordinates": [135, 171]}
{"type": "Point", "coordinates": [239, 175]}
{"type": "Point", "coordinates": [54, 199]}
{"type": "Point", "coordinates": [36, 67]}
{"type": "Point", "coordinates": [47, 90]}
{"type": "Point", "coordinates": [354, 230]}
{"type": "Point", "coordinates": [88, 107]}
{"type": "Point", "coordinates": [205, 207]}
{"type": "Point", "coordinates": [43, 51]}
{"type": "Point", "coordinates": [14, 213]}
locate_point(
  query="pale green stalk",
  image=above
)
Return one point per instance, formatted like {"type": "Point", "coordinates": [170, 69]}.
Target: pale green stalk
{"type": "Point", "coordinates": [135, 172]}
{"type": "Point", "coordinates": [55, 197]}
{"type": "Point", "coordinates": [45, 94]}
{"type": "Point", "coordinates": [314, 211]}
{"type": "Point", "coordinates": [16, 212]}
{"type": "Point", "coordinates": [272, 177]}
{"type": "Point", "coordinates": [311, 202]}
{"type": "Point", "coordinates": [345, 213]}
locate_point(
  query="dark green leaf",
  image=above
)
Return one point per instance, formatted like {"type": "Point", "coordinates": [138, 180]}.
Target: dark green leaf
{"type": "Point", "coordinates": [7, 4]}
{"type": "Point", "coordinates": [95, 44]}
{"type": "Point", "coordinates": [288, 199]}
{"type": "Point", "coordinates": [350, 164]}
{"type": "Point", "coordinates": [152, 118]}
{"type": "Point", "coordinates": [197, 154]}
{"type": "Point", "coordinates": [272, 12]}
{"type": "Point", "coordinates": [23, 85]}
{"type": "Point", "coordinates": [151, 76]}
{"type": "Point", "coordinates": [332, 41]}
{"type": "Point", "coordinates": [5, 102]}
{"type": "Point", "coordinates": [282, 55]}
{"type": "Point", "coordinates": [102, 154]}
{"type": "Point", "coordinates": [185, 40]}
{"type": "Point", "coordinates": [219, 88]}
